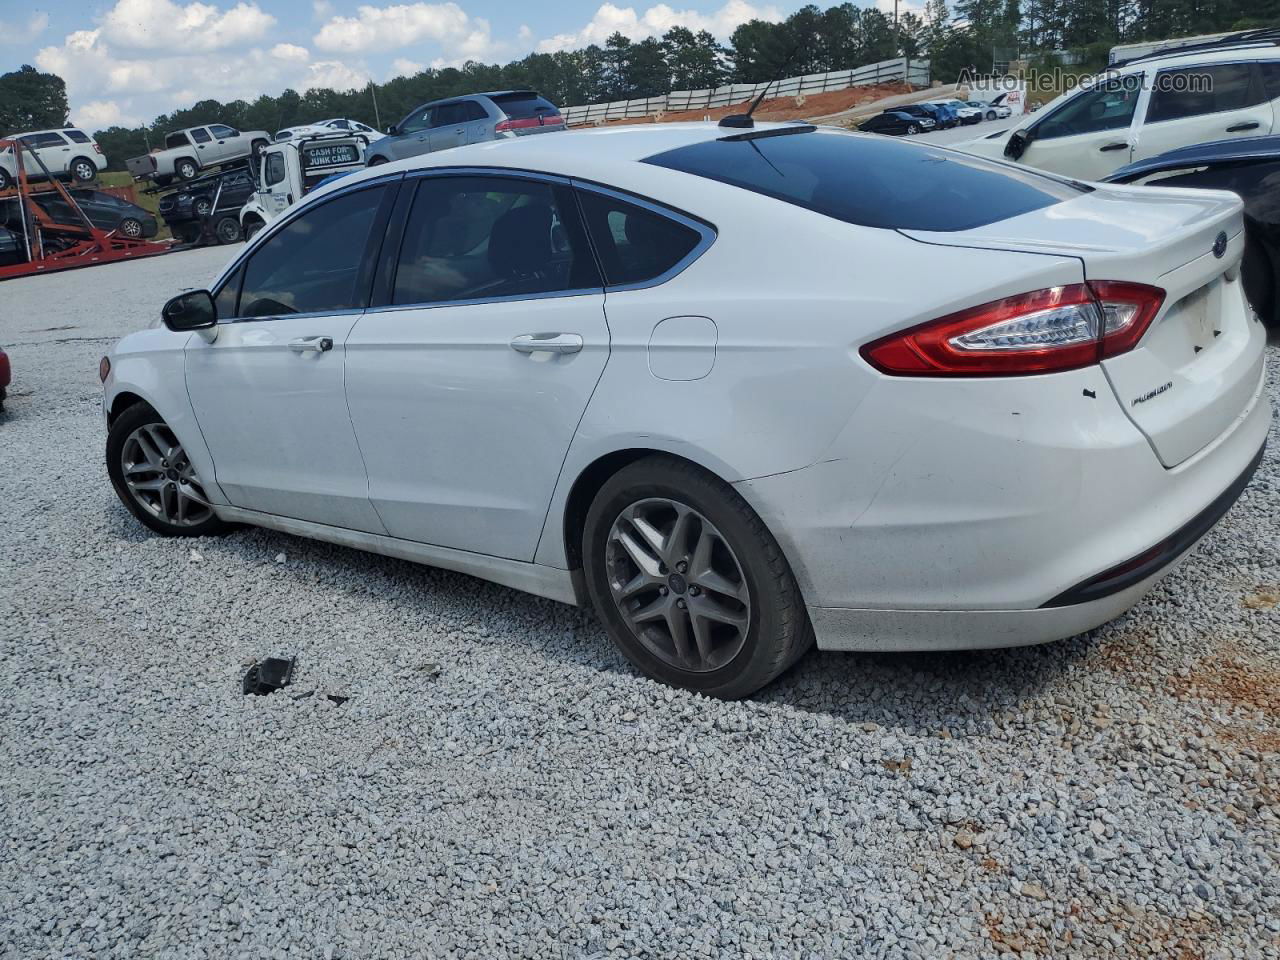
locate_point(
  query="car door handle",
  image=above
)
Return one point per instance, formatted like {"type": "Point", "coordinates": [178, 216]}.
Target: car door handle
{"type": "Point", "coordinates": [311, 345]}
{"type": "Point", "coordinates": [547, 343]}
{"type": "Point", "coordinates": [1237, 127]}
{"type": "Point", "coordinates": [1113, 146]}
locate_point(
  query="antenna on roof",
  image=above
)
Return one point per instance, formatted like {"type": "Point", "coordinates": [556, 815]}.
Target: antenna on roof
{"type": "Point", "coordinates": [742, 121]}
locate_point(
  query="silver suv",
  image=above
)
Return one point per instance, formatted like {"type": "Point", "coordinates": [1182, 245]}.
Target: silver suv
{"type": "Point", "coordinates": [442, 124]}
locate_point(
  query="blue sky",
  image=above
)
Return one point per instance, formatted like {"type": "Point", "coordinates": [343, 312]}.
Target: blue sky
{"type": "Point", "coordinates": [125, 61]}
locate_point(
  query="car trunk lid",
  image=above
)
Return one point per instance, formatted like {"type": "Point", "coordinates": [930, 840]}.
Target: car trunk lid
{"type": "Point", "coordinates": [1198, 365]}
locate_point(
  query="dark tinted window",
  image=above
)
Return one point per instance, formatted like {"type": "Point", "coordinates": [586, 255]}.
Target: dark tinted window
{"type": "Point", "coordinates": [75, 136]}
{"type": "Point", "coordinates": [1108, 106]}
{"type": "Point", "coordinates": [44, 140]}
{"type": "Point", "coordinates": [175, 140]}
{"type": "Point", "coordinates": [1193, 91]}
{"type": "Point", "coordinates": [200, 135]}
{"type": "Point", "coordinates": [871, 181]}
{"type": "Point", "coordinates": [218, 130]}
{"type": "Point", "coordinates": [225, 300]}
{"type": "Point", "coordinates": [313, 264]}
{"type": "Point", "coordinates": [469, 238]}
{"type": "Point", "coordinates": [1270, 70]}
{"type": "Point", "coordinates": [418, 120]}
{"type": "Point", "coordinates": [635, 244]}
{"type": "Point", "coordinates": [518, 106]}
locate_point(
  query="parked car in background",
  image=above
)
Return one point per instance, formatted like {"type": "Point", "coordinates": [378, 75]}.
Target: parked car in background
{"type": "Point", "coordinates": [68, 153]}
{"type": "Point", "coordinates": [988, 111]}
{"type": "Point", "coordinates": [967, 114]}
{"type": "Point", "coordinates": [443, 124]}
{"type": "Point", "coordinates": [1249, 168]}
{"type": "Point", "coordinates": [208, 208]}
{"type": "Point", "coordinates": [187, 152]}
{"type": "Point", "coordinates": [422, 366]}
{"type": "Point", "coordinates": [896, 123]}
{"type": "Point", "coordinates": [104, 211]}
{"type": "Point", "coordinates": [287, 171]}
{"type": "Point", "coordinates": [1144, 108]}
{"type": "Point", "coordinates": [928, 112]}
{"type": "Point", "coordinates": [948, 116]}
{"type": "Point", "coordinates": [325, 126]}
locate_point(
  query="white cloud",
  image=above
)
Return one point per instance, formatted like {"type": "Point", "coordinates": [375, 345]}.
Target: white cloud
{"type": "Point", "coordinates": [290, 52]}
{"type": "Point", "coordinates": [388, 28]}
{"type": "Point", "coordinates": [169, 26]}
{"type": "Point", "coordinates": [97, 114]}
{"type": "Point", "coordinates": [321, 9]}
{"type": "Point", "coordinates": [525, 33]}
{"type": "Point", "coordinates": [335, 75]}
{"type": "Point", "coordinates": [29, 30]}
{"type": "Point", "coordinates": [657, 20]}
{"type": "Point", "coordinates": [401, 67]}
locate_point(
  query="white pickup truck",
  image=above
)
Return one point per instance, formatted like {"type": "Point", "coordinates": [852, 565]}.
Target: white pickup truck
{"type": "Point", "coordinates": [187, 152]}
{"type": "Point", "coordinates": [286, 172]}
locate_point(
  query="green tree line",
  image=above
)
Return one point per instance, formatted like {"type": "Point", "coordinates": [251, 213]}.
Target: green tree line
{"type": "Point", "coordinates": [811, 40]}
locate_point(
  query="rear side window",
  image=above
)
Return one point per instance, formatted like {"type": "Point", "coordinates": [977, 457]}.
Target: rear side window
{"type": "Point", "coordinates": [1270, 70]}
{"type": "Point", "coordinates": [315, 263]}
{"type": "Point", "coordinates": [520, 106]}
{"type": "Point", "coordinates": [175, 140]}
{"type": "Point", "coordinates": [76, 136]}
{"type": "Point", "coordinates": [871, 181]}
{"type": "Point", "coordinates": [1194, 91]}
{"type": "Point", "coordinates": [471, 238]}
{"type": "Point", "coordinates": [636, 245]}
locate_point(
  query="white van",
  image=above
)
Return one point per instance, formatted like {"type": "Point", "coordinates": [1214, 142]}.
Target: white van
{"type": "Point", "coordinates": [1146, 107]}
{"type": "Point", "coordinates": [66, 152]}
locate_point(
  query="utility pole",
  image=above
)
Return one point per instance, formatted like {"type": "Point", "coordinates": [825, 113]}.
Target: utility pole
{"type": "Point", "coordinates": [377, 117]}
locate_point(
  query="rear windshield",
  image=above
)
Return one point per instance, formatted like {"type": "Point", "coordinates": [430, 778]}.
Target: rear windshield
{"type": "Point", "coordinates": [518, 106]}
{"type": "Point", "coordinates": [871, 180]}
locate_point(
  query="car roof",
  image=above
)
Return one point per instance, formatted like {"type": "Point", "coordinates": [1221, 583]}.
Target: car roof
{"type": "Point", "coordinates": [1256, 50]}
{"type": "Point", "coordinates": [29, 133]}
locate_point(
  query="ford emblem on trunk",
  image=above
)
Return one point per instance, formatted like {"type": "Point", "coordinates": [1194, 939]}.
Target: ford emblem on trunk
{"type": "Point", "coordinates": [1220, 244]}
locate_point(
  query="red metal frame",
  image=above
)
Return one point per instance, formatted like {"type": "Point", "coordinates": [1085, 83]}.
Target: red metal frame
{"type": "Point", "coordinates": [74, 245]}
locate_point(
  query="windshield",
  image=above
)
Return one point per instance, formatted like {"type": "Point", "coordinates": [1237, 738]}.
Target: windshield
{"type": "Point", "coordinates": [871, 181]}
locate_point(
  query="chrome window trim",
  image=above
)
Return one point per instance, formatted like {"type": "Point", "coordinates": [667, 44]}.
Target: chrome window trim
{"type": "Point", "coordinates": [279, 224]}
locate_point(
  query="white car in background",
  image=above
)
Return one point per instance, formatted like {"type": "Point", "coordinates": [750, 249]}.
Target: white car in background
{"type": "Point", "coordinates": [1218, 91]}
{"type": "Point", "coordinates": [66, 152]}
{"type": "Point", "coordinates": [329, 126]}
{"type": "Point", "coordinates": [542, 362]}
{"type": "Point", "coordinates": [965, 111]}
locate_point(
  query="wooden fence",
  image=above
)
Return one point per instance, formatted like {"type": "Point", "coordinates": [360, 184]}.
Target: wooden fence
{"type": "Point", "coordinates": [887, 71]}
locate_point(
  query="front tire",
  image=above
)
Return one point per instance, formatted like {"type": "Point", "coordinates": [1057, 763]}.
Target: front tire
{"type": "Point", "coordinates": [154, 479]}
{"type": "Point", "coordinates": [376, 161]}
{"type": "Point", "coordinates": [257, 147]}
{"type": "Point", "coordinates": [251, 228]}
{"type": "Point", "coordinates": [912, 129]}
{"type": "Point", "coordinates": [690, 584]}
{"type": "Point", "coordinates": [991, 114]}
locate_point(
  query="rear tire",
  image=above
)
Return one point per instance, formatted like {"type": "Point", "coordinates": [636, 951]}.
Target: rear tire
{"type": "Point", "coordinates": [154, 479]}
{"type": "Point", "coordinates": [186, 169]}
{"type": "Point", "coordinates": [717, 563]}
{"type": "Point", "coordinates": [6, 181]}
{"type": "Point", "coordinates": [82, 170]}
{"type": "Point", "coordinates": [227, 230]}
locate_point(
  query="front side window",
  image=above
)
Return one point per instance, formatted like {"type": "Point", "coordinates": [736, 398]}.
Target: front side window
{"type": "Point", "coordinates": [1194, 91]}
{"type": "Point", "coordinates": [447, 114]}
{"type": "Point", "coordinates": [417, 121]}
{"type": "Point", "coordinates": [871, 181]}
{"type": "Point", "coordinates": [1108, 106]}
{"type": "Point", "coordinates": [275, 169]}
{"type": "Point", "coordinates": [222, 132]}
{"type": "Point", "coordinates": [315, 263]}
{"type": "Point", "coordinates": [471, 238]}
{"type": "Point", "coordinates": [42, 141]}
{"type": "Point", "coordinates": [200, 135]}
{"type": "Point", "coordinates": [635, 244]}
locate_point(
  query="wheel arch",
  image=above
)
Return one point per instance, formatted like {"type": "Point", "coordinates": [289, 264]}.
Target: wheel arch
{"type": "Point", "coordinates": [121, 402]}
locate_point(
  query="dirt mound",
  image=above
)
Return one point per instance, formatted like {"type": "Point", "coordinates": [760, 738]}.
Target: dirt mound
{"type": "Point", "coordinates": [786, 108]}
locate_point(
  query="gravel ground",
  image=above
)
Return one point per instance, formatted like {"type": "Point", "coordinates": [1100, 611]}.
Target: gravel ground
{"type": "Point", "coordinates": [500, 783]}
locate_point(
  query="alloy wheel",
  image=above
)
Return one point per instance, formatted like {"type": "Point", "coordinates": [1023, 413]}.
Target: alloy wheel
{"type": "Point", "coordinates": [131, 228]}
{"type": "Point", "coordinates": [83, 172]}
{"type": "Point", "coordinates": [678, 584]}
{"type": "Point", "coordinates": [161, 479]}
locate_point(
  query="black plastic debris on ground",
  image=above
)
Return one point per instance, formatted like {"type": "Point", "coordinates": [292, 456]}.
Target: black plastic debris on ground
{"type": "Point", "coordinates": [268, 676]}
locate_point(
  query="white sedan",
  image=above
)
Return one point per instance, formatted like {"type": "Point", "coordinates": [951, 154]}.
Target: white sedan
{"type": "Point", "coordinates": [706, 380]}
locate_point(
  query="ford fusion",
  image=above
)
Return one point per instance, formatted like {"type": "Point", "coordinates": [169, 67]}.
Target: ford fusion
{"type": "Point", "coordinates": [692, 375]}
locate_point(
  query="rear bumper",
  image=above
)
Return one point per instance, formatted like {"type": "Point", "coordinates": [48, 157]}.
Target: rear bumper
{"type": "Point", "coordinates": [989, 516]}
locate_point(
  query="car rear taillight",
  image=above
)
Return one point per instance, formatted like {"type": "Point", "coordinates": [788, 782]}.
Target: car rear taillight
{"type": "Point", "coordinates": [524, 123]}
{"type": "Point", "coordinates": [97, 149]}
{"type": "Point", "coordinates": [1058, 328]}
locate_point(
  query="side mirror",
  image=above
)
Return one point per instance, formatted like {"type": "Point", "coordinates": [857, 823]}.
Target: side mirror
{"type": "Point", "coordinates": [391, 130]}
{"type": "Point", "coordinates": [194, 310]}
{"type": "Point", "coordinates": [1017, 144]}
